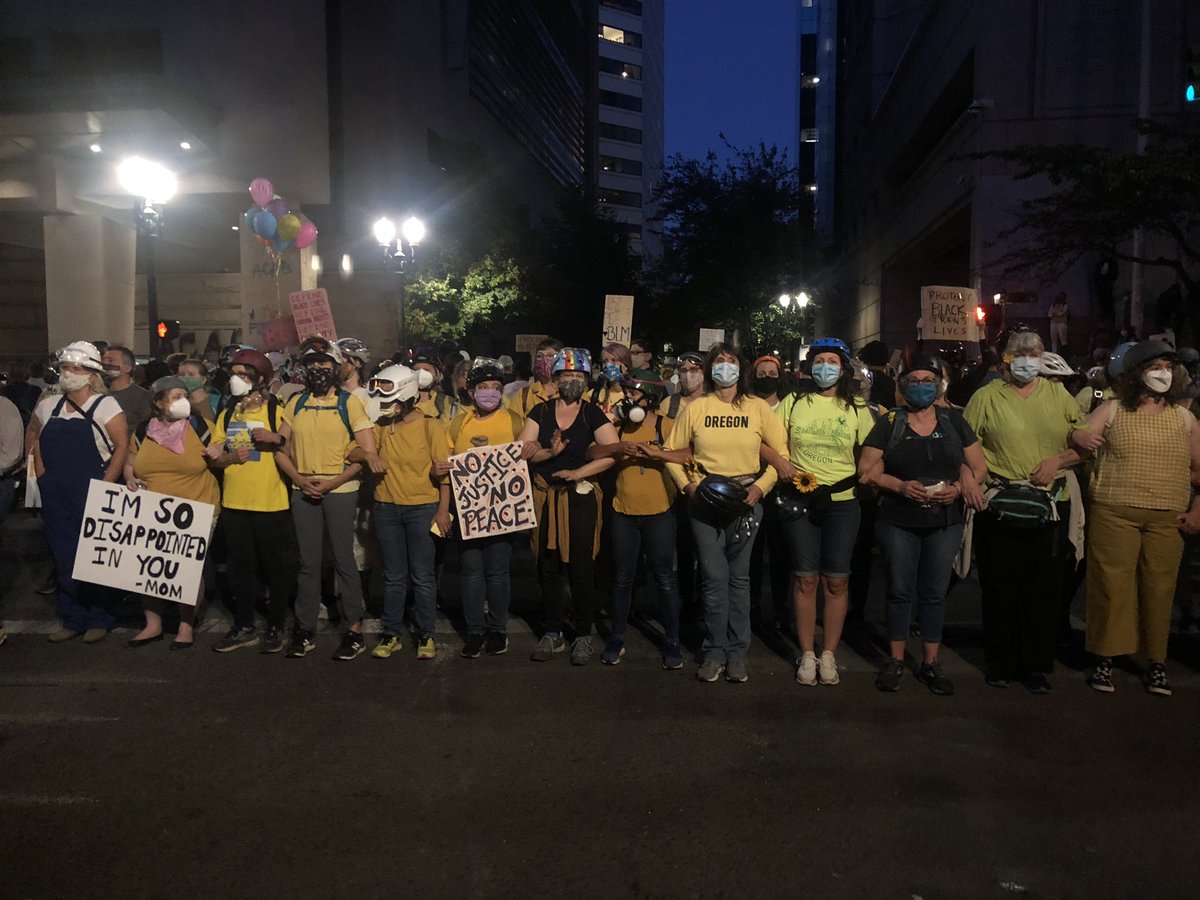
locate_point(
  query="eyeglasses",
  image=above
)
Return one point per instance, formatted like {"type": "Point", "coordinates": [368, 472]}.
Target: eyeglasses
{"type": "Point", "coordinates": [922, 381]}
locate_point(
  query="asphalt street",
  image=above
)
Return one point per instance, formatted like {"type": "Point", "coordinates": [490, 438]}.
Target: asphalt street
{"type": "Point", "coordinates": [147, 773]}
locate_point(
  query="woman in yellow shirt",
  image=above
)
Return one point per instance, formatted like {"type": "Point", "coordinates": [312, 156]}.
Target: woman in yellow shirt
{"type": "Point", "coordinates": [169, 458]}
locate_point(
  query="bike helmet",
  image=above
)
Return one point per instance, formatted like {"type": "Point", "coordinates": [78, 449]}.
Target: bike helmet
{"type": "Point", "coordinates": [1142, 353]}
{"type": "Point", "coordinates": [829, 345]}
{"type": "Point", "coordinates": [395, 383]}
{"type": "Point", "coordinates": [1055, 366]}
{"type": "Point", "coordinates": [316, 348]}
{"type": "Point", "coordinates": [255, 360]}
{"type": "Point", "coordinates": [722, 497]}
{"type": "Point", "coordinates": [355, 351]}
{"type": "Point", "coordinates": [229, 349]}
{"type": "Point", "coordinates": [572, 359]}
{"type": "Point", "coordinates": [484, 369]}
{"type": "Point", "coordinates": [80, 353]}
{"type": "Point", "coordinates": [648, 383]}
{"type": "Point", "coordinates": [1116, 362]}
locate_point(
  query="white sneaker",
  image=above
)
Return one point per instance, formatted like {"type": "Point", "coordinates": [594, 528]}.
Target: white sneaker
{"type": "Point", "coordinates": [806, 669]}
{"type": "Point", "coordinates": [829, 672]}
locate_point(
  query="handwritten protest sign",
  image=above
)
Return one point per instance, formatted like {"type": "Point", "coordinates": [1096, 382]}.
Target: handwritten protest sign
{"type": "Point", "coordinates": [710, 336]}
{"type": "Point", "coordinates": [948, 313]}
{"type": "Point", "coordinates": [618, 319]}
{"type": "Point", "coordinates": [279, 333]}
{"type": "Point", "coordinates": [527, 343]}
{"type": "Point", "coordinates": [143, 542]}
{"type": "Point", "coordinates": [310, 310]}
{"type": "Point", "coordinates": [492, 491]}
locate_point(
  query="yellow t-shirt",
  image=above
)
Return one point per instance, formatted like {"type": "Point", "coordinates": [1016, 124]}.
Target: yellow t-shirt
{"type": "Point", "coordinates": [642, 484]}
{"type": "Point", "coordinates": [469, 431]}
{"type": "Point", "coordinates": [822, 435]}
{"type": "Point", "coordinates": [430, 407]}
{"type": "Point", "coordinates": [256, 485]}
{"type": "Point", "coordinates": [320, 441]}
{"type": "Point", "coordinates": [183, 475]}
{"type": "Point", "coordinates": [1019, 432]}
{"type": "Point", "coordinates": [725, 439]}
{"type": "Point", "coordinates": [524, 400]}
{"type": "Point", "coordinates": [410, 450]}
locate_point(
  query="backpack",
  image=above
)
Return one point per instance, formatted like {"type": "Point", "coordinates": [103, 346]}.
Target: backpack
{"type": "Point", "coordinates": [199, 425]}
{"type": "Point", "coordinates": [456, 425]}
{"type": "Point", "coordinates": [899, 419]}
{"type": "Point", "coordinates": [673, 408]}
{"type": "Point", "coordinates": [343, 398]}
{"type": "Point", "coordinates": [272, 407]}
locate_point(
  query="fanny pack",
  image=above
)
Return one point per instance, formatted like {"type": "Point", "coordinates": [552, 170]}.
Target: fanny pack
{"type": "Point", "coordinates": [795, 504]}
{"type": "Point", "coordinates": [1019, 504]}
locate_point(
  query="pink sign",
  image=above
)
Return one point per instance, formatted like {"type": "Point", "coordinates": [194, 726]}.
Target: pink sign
{"type": "Point", "coordinates": [279, 333]}
{"type": "Point", "coordinates": [310, 310]}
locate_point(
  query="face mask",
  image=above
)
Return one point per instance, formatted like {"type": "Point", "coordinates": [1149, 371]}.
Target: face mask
{"type": "Point", "coordinates": [487, 399]}
{"type": "Point", "coordinates": [238, 386]}
{"type": "Point", "coordinates": [424, 379]}
{"type": "Point", "coordinates": [192, 383]}
{"type": "Point", "coordinates": [179, 409]}
{"type": "Point", "coordinates": [826, 375]}
{"type": "Point", "coordinates": [1025, 368]}
{"type": "Point", "coordinates": [725, 374]}
{"type": "Point", "coordinates": [690, 382]}
{"type": "Point", "coordinates": [612, 371]}
{"type": "Point", "coordinates": [318, 381]}
{"type": "Point", "coordinates": [674, 379]}
{"type": "Point", "coordinates": [541, 370]}
{"type": "Point", "coordinates": [1159, 381]}
{"type": "Point", "coordinates": [570, 390]}
{"type": "Point", "coordinates": [110, 375]}
{"type": "Point", "coordinates": [630, 412]}
{"type": "Point", "coordinates": [71, 381]}
{"type": "Point", "coordinates": [920, 396]}
{"type": "Point", "coordinates": [766, 385]}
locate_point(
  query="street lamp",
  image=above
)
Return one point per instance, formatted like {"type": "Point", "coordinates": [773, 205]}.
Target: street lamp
{"type": "Point", "coordinates": [398, 253]}
{"type": "Point", "coordinates": [799, 302]}
{"type": "Point", "coordinates": [152, 186]}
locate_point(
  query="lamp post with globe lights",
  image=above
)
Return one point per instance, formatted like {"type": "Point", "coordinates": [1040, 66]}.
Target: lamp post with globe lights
{"type": "Point", "coordinates": [152, 186]}
{"type": "Point", "coordinates": [400, 253]}
{"type": "Point", "coordinates": [798, 302]}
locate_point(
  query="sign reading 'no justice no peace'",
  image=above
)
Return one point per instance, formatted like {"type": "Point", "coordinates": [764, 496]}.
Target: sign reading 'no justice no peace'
{"type": "Point", "coordinates": [492, 491]}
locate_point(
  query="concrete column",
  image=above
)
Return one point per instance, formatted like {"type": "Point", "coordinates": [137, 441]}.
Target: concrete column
{"type": "Point", "coordinates": [264, 293]}
{"type": "Point", "coordinates": [90, 265]}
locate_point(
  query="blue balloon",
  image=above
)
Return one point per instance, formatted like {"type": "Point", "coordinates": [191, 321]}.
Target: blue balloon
{"type": "Point", "coordinates": [248, 217]}
{"type": "Point", "coordinates": [282, 246]}
{"type": "Point", "coordinates": [264, 224]}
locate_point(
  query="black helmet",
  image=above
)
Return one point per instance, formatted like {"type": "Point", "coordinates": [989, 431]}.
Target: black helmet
{"type": "Point", "coordinates": [484, 369]}
{"type": "Point", "coordinates": [648, 383]}
{"type": "Point", "coordinates": [723, 497]}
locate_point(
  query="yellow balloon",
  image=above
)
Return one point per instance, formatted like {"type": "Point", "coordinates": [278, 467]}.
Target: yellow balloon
{"type": "Point", "coordinates": [288, 227]}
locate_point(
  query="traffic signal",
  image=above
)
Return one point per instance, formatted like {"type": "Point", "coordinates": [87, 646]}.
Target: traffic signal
{"type": "Point", "coordinates": [167, 329]}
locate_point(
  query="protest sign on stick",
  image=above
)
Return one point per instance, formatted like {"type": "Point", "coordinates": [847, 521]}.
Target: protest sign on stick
{"type": "Point", "coordinates": [618, 319]}
{"type": "Point", "coordinates": [312, 315]}
{"type": "Point", "coordinates": [948, 313]}
{"type": "Point", "coordinates": [143, 542]}
{"type": "Point", "coordinates": [492, 491]}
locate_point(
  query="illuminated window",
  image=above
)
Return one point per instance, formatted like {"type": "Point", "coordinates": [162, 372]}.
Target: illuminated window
{"type": "Point", "coordinates": [620, 36]}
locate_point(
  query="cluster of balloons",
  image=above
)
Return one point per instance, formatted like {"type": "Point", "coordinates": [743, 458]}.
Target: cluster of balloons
{"type": "Point", "coordinates": [273, 222]}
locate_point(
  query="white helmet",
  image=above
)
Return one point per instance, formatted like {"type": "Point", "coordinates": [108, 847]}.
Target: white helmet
{"type": "Point", "coordinates": [393, 384]}
{"type": "Point", "coordinates": [80, 353]}
{"type": "Point", "coordinates": [1055, 366]}
{"type": "Point", "coordinates": [354, 350]}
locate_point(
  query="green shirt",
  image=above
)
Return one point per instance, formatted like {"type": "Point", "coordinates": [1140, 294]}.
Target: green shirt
{"type": "Point", "coordinates": [1019, 432]}
{"type": "Point", "coordinates": [822, 436]}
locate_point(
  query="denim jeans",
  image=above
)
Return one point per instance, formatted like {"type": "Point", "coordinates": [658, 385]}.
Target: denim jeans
{"type": "Point", "coordinates": [408, 553]}
{"type": "Point", "coordinates": [483, 574]}
{"type": "Point", "coordinates": [655, 535]}
{"type": "Point", "coordinates": [824, 544]}
{"type": "Point", "coordinates": [918, 563]}
{"type": "Point", "coordinates": [331, 519]}
{"type": "Point", "coordinates": [723, 552]}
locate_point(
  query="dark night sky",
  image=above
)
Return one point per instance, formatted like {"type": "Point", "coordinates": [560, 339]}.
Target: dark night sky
{"type": "Point", "coordinates": [730, 67]}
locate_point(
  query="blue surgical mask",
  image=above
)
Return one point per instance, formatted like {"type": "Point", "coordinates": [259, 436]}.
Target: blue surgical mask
{"type": "Point", "coordinates": [1025, 368]}
{"type": "Point", "coordinates": [725, 374]}
{"type": "Point", "coordinates": [612, 371]}
{"type": "Point", "coordinates": [826, 375]}
{"type": "Point", "coordinates": [920, 396]}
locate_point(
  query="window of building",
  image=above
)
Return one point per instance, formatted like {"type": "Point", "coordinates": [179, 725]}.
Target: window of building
{"type": "Point", "coordinates": [620, 133]}
{"type": "Point", "coordinates": [620, 165]}
{"type": "Point", "coordinates": [620, 101]}
{"type": "Point", "coordinates": [631, 71]}
{"type": "Point", "coordinates": [633, 7]}
{"type": "Point", "coordinates": [621, 36]}
{"type": "Point", "coordinates": [620, 198]}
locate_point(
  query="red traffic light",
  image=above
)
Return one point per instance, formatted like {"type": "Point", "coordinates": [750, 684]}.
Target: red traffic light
{"type": "Point", "coordinates": [167, 329]}
{"type": "Point", "coordinates": [980, 314]}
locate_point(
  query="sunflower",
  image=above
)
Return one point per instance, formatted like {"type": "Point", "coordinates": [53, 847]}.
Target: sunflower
{"type": "Point", "coordinates": [805, 482]}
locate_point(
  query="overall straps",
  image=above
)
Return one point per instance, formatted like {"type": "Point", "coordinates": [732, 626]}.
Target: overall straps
{"type": "Point", "coordinates": [88, 415]}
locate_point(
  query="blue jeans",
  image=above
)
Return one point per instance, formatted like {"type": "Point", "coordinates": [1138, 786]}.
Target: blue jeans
{"type": "Point", "coordinates": [655, 535]}
{"type": "Point", "coordinates": [483, 573]}
{"type": "Point", "coordinates": [918, 563]}
{"type": "Point", "coordinates": [407, 547]}
{"type": "Point", "coordinates": [824, 544]}
{"type": "Point", "coordinates": [723, 552]}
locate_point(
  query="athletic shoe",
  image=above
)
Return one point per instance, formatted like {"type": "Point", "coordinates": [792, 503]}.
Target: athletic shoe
{"type": "Point", "coordinates": [495, 643]}
{"type": "Point", "coordinates": [672, 654]}
{"type": "Point", "coordinates": [738, 671]}
{"type": "Point", "coordinates": [890, 675]}
{"type": "Point", "coordinates": [1037, 683]}
{"type": "Point", "coordinates": [930, 674]}
{"type": "Point", "coordinates": [302, 644]}
{"type": "Point", "coordinates": [1156, 680]}
{"type": "Point", "coordinates": [996, 680]}
{"type": "Point", "coordinates": [472, 646]}
{"type": "Point", "coordinates": [352, 645]}
{"type": "Point", "coordinates": [828, 668]}
{"type": "Point", "coordinates": [581, 651]}
{"type": "Point", "coordinates": [710, 670]}
{"type": "Point", "coordinates": [387, 645]}
{"type": "Point", "coordinates": [236, 639]}
{"type": "Point", "coordinates": [551, 643]}
{"type": "Point", "coordinates": [272, 641]}
{"type": "Point", "coordinates": [95, 635]}
{"type": "Point", "coordinates": [1100, 678]}
{"type": "Point", "coordinates": [614, 649]}
{"type": "Point", "coordinates": [806, 668]}
{"type": "Point", "coordinates": [426, 649]}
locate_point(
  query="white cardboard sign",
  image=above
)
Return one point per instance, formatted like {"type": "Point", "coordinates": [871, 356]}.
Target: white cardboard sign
{"type": "Point", "coordinates": [948, 313]}
{"type": "Point", "coordinates": [492, 491]}
{"type": "Point", "coordinates": [710, 336]}
{"type": "Point", "coordinates": [618, 319]}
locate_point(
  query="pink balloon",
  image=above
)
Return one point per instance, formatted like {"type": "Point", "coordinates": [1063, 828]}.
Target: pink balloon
{"type": "Point", "coordinates": [306, 235]}
{"type": "Point", "coordinates": [261, 191]}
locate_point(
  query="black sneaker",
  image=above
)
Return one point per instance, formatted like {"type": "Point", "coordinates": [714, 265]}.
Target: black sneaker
{"type": "Point", "coordinates": [930, 674]}
{"type": "Point", "coordinates": [302, 644]}
{"type": "Point", "coordinates": [1036, 683]}
{"type": "Point", "coordinates": [996, 680]}
{"type": "Point", "coordinates": [473, 646]}
{"type": "Point", "coordinates": [495, 643]}
{"type": "Point", "coordinates": [890, 675]}
{"type": "Point", "coordinates": [351, 646]}
{"type": "Point", "coordinates": [1100, 678]}
{"type": "Point", "coordinates": [236, 639]}
{"type": "Point", "coordinates": [1156, 680]}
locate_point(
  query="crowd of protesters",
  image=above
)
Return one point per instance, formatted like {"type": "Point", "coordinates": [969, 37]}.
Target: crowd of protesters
{"type": "Point", "coordinates": [694, 468]}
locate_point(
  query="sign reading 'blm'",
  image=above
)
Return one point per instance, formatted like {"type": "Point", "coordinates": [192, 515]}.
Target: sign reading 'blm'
{"type": "Point", "coordinates": [948, 313]}
{"type": "Point", "coordinates": [143, 542]}
{"type": "Point", "coordinates": [492, 491]}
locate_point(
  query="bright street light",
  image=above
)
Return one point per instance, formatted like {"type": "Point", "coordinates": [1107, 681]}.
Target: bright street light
{"type": "Point", "coordinates": [385, 231]}
{"type": "Point", "coordinates": [413, 230]}
{"type": "Point", "coordinates": [146, 180]}
{"type": "Point", "coordinates": [785, 300]}
{"type": "Point", "coordinates": [802, 299]}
